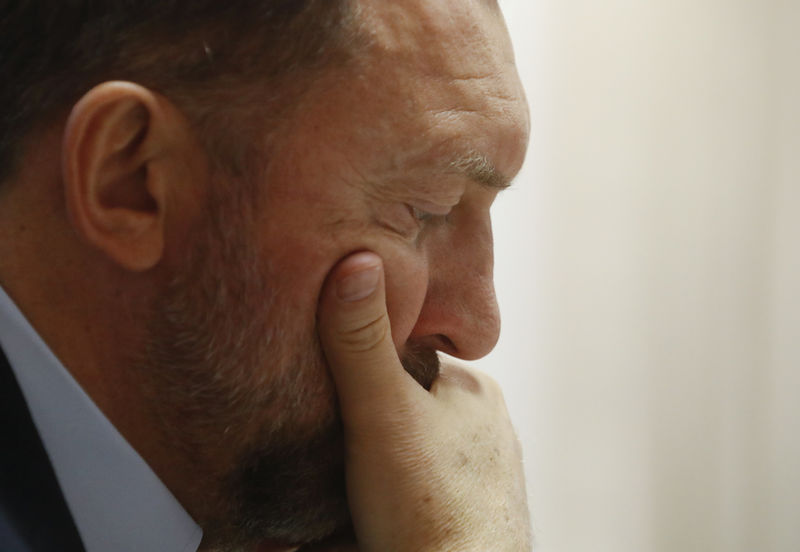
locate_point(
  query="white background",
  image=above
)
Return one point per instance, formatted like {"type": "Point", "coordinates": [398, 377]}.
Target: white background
{"type": "Point", "coordinates": [648, 271]}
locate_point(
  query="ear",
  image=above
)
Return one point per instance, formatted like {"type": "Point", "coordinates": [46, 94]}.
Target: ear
{"type": "Point", "coordinates": [118, 149]}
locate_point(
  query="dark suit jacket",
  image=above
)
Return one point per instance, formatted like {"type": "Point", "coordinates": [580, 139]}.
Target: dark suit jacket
{"type": "Point", "coordinates": [33, 514]}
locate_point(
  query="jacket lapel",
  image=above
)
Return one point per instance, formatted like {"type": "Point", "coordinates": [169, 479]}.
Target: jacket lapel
{"type": "Point", "coordinates": [33, 514]}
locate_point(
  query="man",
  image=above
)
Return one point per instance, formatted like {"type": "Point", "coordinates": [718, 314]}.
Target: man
{"type": "Point", "coordinates": [233, 238]}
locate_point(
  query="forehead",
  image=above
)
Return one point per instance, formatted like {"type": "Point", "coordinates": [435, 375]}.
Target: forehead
{"type": "Point", "coordinates": [447, 68]}
{"type": "Point", "coordinates": [443, 36]}
{"type": "Point", "coordinates": [433, 83]}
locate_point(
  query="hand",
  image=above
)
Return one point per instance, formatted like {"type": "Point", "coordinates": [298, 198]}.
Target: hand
{"type": "Point", "coordinates": [426, 471]}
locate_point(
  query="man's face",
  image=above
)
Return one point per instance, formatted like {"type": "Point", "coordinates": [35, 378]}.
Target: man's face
{"type": "Point", "coordinates": [400, 153]}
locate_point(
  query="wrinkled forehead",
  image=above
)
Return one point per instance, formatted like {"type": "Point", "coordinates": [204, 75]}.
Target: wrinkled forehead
{"type": "Point", "coordinates": [432, 84]}
{"type": "Point", "coordinates": [450, 60]}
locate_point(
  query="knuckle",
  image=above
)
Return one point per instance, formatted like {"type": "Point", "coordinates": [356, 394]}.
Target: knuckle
{"type": "Point", "coordinates": [471, 379]}
{"type": "Point", "coordinates": [492, 386]}
{"type": "Point", "coordinates": [365, 337]}
{"type": "Point", "coordinates": [489, 386]}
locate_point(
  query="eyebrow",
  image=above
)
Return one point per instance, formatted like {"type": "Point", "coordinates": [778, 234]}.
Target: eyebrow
{"type": "Point", "coordinates": [479, 169]}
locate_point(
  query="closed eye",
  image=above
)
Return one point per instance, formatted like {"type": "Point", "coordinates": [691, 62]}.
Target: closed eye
{"type": "Point", "coordinates": [420, 215]}
{"type": "Point", "coordinates": [425, 212]}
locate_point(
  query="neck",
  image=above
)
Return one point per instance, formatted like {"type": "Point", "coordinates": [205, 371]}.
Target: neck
{"type": "Point", "coordinates": [82, 307]}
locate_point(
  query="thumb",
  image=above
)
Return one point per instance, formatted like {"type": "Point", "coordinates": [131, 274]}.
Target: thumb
{"type": "Point", "coordinates": [356, 336]}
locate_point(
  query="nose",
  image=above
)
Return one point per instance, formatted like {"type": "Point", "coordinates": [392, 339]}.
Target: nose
{"type": "Point", "coordinates": [460, 315]}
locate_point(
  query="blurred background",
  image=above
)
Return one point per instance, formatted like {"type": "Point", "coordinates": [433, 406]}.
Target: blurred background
{"type": "Point", "coordinates": [648, 271]}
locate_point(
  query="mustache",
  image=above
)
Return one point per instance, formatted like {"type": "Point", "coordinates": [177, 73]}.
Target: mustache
{"type": "Point", "coordinates": [422, 363]}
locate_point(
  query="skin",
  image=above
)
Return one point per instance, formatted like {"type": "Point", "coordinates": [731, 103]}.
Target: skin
{"type": "Point", "coordinates": [97, 226]}
{"type": "Point", "coordinates": [387, 141]}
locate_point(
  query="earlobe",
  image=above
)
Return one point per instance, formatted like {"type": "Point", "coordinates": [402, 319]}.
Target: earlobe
{"type": "Point", "coordinates": [113, 172]}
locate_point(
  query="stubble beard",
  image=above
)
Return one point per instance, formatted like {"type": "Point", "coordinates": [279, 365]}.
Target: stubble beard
{"type": "Point", "coordinates": [243, 395]}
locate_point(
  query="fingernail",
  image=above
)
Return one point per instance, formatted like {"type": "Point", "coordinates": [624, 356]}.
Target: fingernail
{"type": "Point", "coordinates": [358, 285]}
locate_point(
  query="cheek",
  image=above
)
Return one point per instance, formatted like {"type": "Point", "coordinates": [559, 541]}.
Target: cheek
{"type": "Point", "coordinates": [406, 287]}
{"type": "Point", "coordinates": [305, 260]}
{"type": "Point", "coordinates": [303, 245]}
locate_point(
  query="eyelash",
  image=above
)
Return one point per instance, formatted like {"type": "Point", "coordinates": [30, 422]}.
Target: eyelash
{"type": "Point", "coordinates": [424, 219]}
{"type": "Point", "coordinates": [420, 215]}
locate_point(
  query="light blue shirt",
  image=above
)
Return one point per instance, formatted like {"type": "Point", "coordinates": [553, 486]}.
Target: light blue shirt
{"type": "Point", "coordinates": [117, 502]}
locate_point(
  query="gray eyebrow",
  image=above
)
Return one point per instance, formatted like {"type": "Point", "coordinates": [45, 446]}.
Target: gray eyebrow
{"type": "Point", "coordinates": [478, 168]}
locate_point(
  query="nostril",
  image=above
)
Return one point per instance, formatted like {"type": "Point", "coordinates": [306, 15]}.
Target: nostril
{"type": "Point", "coordinates": [447, 345]}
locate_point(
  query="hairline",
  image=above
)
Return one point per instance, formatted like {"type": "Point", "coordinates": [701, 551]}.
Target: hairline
{"type": "Point", "coordinates": [218, 108]}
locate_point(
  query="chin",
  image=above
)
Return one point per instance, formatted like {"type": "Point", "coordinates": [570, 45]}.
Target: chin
{"type": "Point", "coordinates": [286, 492]}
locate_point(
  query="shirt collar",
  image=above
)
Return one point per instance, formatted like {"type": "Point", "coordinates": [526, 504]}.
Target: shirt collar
{"type": "Point", "coordinates": [116, 500]}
